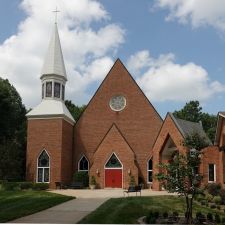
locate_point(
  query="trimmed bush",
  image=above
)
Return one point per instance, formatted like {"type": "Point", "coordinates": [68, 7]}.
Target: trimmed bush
{"type": "Point", "coordinates": [213, 189]}
{"type": "Point", "coordinates": [26, 185]}
{"type": "Point", "coordinates": [209, 197]}
{"type": "Point", "coordinates": [10, 186]}
{"type": "Point", "coordinates": [81, 176]}
{"type": "Point", "coordinates": [217, 200]}
{"type": "Point", "coordinates": [40, 186]}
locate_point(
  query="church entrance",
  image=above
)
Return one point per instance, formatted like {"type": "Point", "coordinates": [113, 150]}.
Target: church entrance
{"type": "Point", "coordinates": [113, 173]}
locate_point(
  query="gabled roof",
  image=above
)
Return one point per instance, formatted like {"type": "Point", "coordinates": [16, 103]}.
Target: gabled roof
{"type": "Point", "coordinates": [187, 128]}
{"type": "Point", "coordinates": [51, 108]}
{"type": "Point", "coordinates": [54, 63]}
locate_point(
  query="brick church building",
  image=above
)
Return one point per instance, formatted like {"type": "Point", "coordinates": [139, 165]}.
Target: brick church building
{"type": "Point", "coordinates": [119, 135]}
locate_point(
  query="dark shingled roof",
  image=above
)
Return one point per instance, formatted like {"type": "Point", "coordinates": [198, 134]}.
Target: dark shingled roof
{"type": "Point", "coordinates": [188, 128]}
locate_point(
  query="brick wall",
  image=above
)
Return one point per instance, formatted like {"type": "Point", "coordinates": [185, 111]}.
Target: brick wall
{"type": "Point", "coordinates": [114, 143]}
{"type": "Point", "coordinates": [47, 134]}
{"type": "Point", "coordinates": [138, 122]}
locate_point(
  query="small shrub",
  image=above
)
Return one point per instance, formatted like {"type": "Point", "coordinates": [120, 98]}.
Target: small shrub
{"type": "Point", "coordinates": [93, 180]}
{"type": "Point", "coordinates": [210, 217]}
{"type": "Point", "coordinates": [40, 186]}
{"type": "Point", "coordinates": [199, 197]}
{"type": "Point", "coordinates": [25, 185]}
{"type": "Point", "coordinates": [223, 220]}
{"type": "Point", "coordinates": [165, 215]}
{"type": "Point", "coordinates": [81, 176]}
{"type": "Point", "coordinates": [10, 186]}
{"type": "Point", "coordinates": [209, 197]}
{"type": "Point", "coordinates": [213, 189]}
{"type": "Point", "coordinates": [217, 218]}
{"type": "Point", "coordinates": [213, 206]}
{"type": "Point", "coordinates": [218, 207]}
{"type": "Point", "coordinates": [217, 200]}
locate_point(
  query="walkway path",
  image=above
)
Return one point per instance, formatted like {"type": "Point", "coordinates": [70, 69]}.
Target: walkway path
{"type": "Point", "coordinates": [68, 212]}
{"type": "Point", "coordinates": [73, 211]}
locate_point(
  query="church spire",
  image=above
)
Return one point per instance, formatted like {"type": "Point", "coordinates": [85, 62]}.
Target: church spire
{"type": "Point", "coordinates": [54, 63]}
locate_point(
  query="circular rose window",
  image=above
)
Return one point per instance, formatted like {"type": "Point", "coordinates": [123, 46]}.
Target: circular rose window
{"type": "Point", "coordinates": [117, 103]}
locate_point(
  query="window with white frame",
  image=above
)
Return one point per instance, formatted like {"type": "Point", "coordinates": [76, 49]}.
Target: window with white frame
{"type": "Point", "coordinates": [43, 167]}
{"type": "Point", "coordinates": [212, 172]}
{"type": "Point", "coordinates": [150, 166]}
{"type": "Point", "coordinates": [83, 164]}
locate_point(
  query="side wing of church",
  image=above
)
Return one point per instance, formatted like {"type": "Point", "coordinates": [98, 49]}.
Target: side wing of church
{"type": "Point", "coordinates": [119, 137]}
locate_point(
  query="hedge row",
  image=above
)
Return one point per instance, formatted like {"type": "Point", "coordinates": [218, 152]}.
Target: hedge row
{"type": "Point", "coordinates": [13, 186]}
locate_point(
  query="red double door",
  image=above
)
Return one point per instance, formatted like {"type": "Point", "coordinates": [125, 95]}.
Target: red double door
{"type": "Point", "coordinates": [113, 178]}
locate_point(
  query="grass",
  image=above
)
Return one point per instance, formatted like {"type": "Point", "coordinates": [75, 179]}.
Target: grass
{"type": "Point", "coordinates": [128, 210]}
{"type": "Point", "coordinates": [16, 204]}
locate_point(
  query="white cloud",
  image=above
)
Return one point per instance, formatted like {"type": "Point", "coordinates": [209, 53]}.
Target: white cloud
{"type": "Point", "coordinates": [85, 48]}
{"type": "Point", "coordinates": [164, 80]}
{"type": "Point", "coordinates": [197, 12]}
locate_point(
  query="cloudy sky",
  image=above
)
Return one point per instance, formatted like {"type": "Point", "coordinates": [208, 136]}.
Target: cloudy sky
{"type": "Point", "coordinates": [175, 49]}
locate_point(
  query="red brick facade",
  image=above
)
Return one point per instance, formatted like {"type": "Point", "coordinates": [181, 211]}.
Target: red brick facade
{"type": "Point", "coordinates": [54, 136]}
{"type": "Point", "coordinates": [134, 134]}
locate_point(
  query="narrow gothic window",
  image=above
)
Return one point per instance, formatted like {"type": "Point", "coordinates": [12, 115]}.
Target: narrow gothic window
{"type": "Point", "coordinates": [83, 164]}
{"type": "Point", "coordinates": [150, 166]}
{"type": "Point", "coordinates": [113, 162]}
{"type": "Point", "coordinates": [57, 90]}
{"type": "Point", "coordinates": [42, 90]}
{"type": "Point", "coordinates": [48, 89]}
{"type": "Point", "coordinates": [63, 92]}
{"type": "Point", "coordinates": [43, 167]}
{"type": "Point", "coordinates": [212, 172]}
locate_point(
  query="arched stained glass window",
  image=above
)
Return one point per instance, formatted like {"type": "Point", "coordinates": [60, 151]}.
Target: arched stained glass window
{"type": "Point", "coordinates": [83, 164]}
{"type": "Point", "coordinates": [113, 162]}
{"type": "Point", "coordinates": [150, 166]}
{"type": "Point", "coordinates": [43, 167]}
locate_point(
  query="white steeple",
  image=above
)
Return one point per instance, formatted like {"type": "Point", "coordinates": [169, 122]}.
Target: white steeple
{"type": "Point", "coordinates": [54, 63]}
{"type": "Point", "coordinates": [53, 78]}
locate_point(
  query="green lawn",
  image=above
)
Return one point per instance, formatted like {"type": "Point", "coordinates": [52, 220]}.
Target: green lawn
{"type": "Point", "coordinates": [128, 210]}
{"type": "Point", "coordinates": [15, 204]}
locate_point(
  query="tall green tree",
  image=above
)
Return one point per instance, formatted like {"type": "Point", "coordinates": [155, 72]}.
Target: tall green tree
{"type": "Point", "coordinates": [192, 111]}
{"type": "Point", "coordinates": [75, 110]}
{"type": "Point", "coordinates": [180, 175]}
{"type": "Point", "coordinates": [12, 132]}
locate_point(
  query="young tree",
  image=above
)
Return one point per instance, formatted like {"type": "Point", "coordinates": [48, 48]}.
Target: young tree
{"type": "Point", "coordinates": [181, 175]}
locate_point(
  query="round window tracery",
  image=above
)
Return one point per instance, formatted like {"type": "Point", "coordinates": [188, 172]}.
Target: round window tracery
{"type": "Point", "coordinates": [117, 102]}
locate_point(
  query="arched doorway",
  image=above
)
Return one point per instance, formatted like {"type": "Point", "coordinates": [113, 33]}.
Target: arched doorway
{"type": "Point", "coordinates": [113, 172]}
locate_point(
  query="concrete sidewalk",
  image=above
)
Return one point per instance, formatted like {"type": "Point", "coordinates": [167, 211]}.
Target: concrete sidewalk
{"type": "Point", "coordinates": [65, 213]}
{"type": "Point", "coordinates": [107, 193]}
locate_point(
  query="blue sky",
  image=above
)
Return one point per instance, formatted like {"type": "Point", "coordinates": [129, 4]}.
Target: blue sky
{"type": "Point", "coordinates": [175, 51]}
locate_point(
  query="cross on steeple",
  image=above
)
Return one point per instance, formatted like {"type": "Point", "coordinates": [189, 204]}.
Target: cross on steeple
{"type": "Point", "coordinates": [56, 11]}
